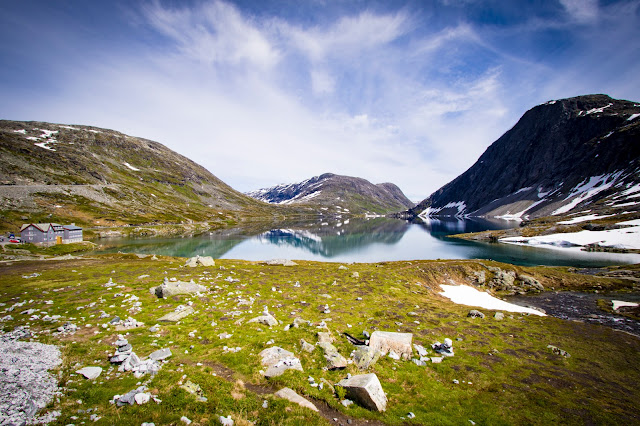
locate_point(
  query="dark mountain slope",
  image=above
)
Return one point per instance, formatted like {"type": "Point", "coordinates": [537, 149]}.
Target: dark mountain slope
{"type": "Point", "coordinates": [561, 156]}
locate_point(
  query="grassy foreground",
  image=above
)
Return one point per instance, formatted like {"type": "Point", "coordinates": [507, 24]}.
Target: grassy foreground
{"type": "Point", "coordinates": [505, 372]}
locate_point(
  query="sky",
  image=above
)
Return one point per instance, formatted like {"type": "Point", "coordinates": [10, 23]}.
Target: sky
{"type": "Point", "coordinates": [277, 91]}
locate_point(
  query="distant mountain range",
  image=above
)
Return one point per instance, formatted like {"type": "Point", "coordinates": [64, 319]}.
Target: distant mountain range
{"type": "Point", "coordinates": [336, 194]}
{"type": "Point", "coordinates": [562, 157]}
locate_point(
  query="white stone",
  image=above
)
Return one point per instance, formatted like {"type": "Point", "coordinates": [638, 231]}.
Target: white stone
{"type": "Point", "coordinates": [385, 341]}
{"type": "Point", "coordinates": [366, 390]}
{"type": "Point", "coordinates": [90, 372]}
{"type": "Point", "coordinates": [290, 395]}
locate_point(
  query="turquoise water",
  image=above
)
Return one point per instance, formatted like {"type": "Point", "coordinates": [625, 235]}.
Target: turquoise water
{"type": "Point", "coordinates": [362, 240]}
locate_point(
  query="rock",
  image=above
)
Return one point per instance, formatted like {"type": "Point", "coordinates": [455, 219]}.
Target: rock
{"type": "Point", "coordinates": [142, 398]}
{"type": "Point", "coordinates": [385, 341]}
{"type": "Point", "coordinates": [474, 313]}
{"type": "Point", "coordinates": [530, 283]}
{"type": "Point", "coordinates": [436, 359]}
{"type": "Point", "coordinates": [290, 395]}
{"type": "Point", "coordinates": [307, 347]}
{"type": "Point", "coordinates": [498, 316]}
{"type": "Point", "coordinates": [200, 261]}
{"type": "Point", "coordinates": [179, 313]}
{"type": "Point", "coordinates": [168, 288]}
{"type": "Point", "coordinates": [185, 420]}
{"type": "Point", "coordinates": [90, 372]}
{"type": "Point", "coordinates": [420, 349]}
{"type": "Point", "coordinates": [502, 280]}
{"type": "Point", "coordinates": [226, 421]}
{"type": "Point", "coordinates": [346, 402]}
{"type": "Point", "coordinates": [365, 356]}
{"type": "Point", "coordinates": [366, 390]}
{"type": "Point", "coordinates": [325, 337]}
{"type": "Point", "coordinates": [556, 350]}
{"type": "Point", "coordinates": [419, 362]}
{"type": "Point", "coordinates": [355, 275]}
{"type": "Point", "coordinates": [267, 320]}
{"type": "Point", "coordinates": [279, 360]}
{"type": "Point", "coordinates": [160, 354]}
{"type": "Point", "coordinates": [445, 348]}
{"type": "Point", "coordinates": [334, 359]}
{"type": "Point", "coordinates": [281, 262]}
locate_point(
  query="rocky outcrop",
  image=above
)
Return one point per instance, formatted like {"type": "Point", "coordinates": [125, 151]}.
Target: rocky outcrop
{"type": "Point", "coordinates": [278, 360]}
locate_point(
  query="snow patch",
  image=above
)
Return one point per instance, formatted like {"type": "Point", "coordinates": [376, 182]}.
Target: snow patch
{"type": "Point", "coordinates": [21, 131]}
{"type": "Point", "coordinates": [598, 110]}
{"type": "Point", "coordinates": [131, 167]}
{"type": "Point", "coordinates": [587, 189]}
{"type": "Point", "coordinates": [470, 296]}
{"type": "Point", "coordinates": [583, 219]}
{"type": "Point", "coordinates": [633, 117]}
{"type": "Point", "coordinates": [620, 303]}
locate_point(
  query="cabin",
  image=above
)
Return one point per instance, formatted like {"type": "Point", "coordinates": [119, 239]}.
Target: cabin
{"type": "Point", "coordinates": [50, 233]}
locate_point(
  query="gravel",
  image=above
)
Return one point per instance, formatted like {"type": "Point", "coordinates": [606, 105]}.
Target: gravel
{"type": "Point", "coordinates": [25, 384]}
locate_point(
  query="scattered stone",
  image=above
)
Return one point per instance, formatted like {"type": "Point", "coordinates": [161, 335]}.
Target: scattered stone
{"type": "Point", "coordinates": [355, 275]}
{"type": "Point", "coordinates": [498, 316]}
{"type": "Point", "coordinates": [168, 289]}
{"type": "Point", "coordinates": [267, 320]}
{"type": "Point", "coordinates": [160, 354]}
{"type": "Point", "coordinates": [185, 420]}
{"type": "Point", "coordinates": [411, 415]}
{"type": "Point", "coordinates": [386, 341]}
{"type": "Point", "coordinates": [445, 348]}
{"type": "Point", "coordinates": [200, 261]}
{"type": "Point", "coordinates": [436, 359]}
{"type": "Point", "coordinates": [365, 356]}
{"type": "Point", "coordinates": [90, 372]}
{"type": "Point", "coordinates": [474, 313]}
{"type": "Point", "coordinates": [142, 398]}
{"type": "Point", "coordinates": [279, 360]}
{"type": "Point", "coordinates": [556, 350]}
{"type": "Point", "coordinates": [419, 362]}
{"type": "Point", "coordinates": [420, 349]}
{"type": "Point", "coordinates": [129, 397]}
{"type": "Point", "coordinates": [291, 395]}
{"type": "Point", "coordinates": [280, 262]}
{"type": "Point", "coordinates": [325, 337]}
{"type": "Point", "coordinates": [179, 313]}
{"type": "Point", "coordinates": [346, 402]}
{"type": "Point", "coordinates": [307, 347]}
{"type": "Point", "coordinates": [366, 390]}
{"type": "Point", "coordinates": [334, 359]}
{"type": "Point", "coordinates": [226, 421]}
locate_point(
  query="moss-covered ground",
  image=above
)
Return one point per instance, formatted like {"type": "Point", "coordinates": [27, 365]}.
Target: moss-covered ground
{"type": "Point", "coordinates": [504, 371]}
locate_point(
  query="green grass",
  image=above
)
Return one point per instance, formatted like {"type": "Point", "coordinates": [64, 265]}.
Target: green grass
{"type": "Point", "coordinates": [515, 378]}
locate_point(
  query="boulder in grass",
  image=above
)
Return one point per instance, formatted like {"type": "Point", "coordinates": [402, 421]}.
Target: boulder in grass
{"type": "Point", "coordinates": [474, 313]}
{"type": "Point", "coordinates": [385, 341]}
{"type": "Point", "coordinates": [267, 319]}
{"type": "Point", "coordinates": [365, 356]}
{"type": "Point", "coordinates": [172, 288]}
{"type": "Point", "coordinates": [179, 313]}
{"type": "Point", "coordinates": [90, 372]}
{"type": "Point", "coordinates": [278, 360]}
{"type": "Point", "coordinates": [291, 395]}
{"type": "Point", "coordinates": [366, 390]}
{"type": "Point", "coordinates": [200, 261]}
{"type": "Point", "coordinates": [335, 361]}
{"type": "Point", "coordinates": [281, 262]}
{"type": "Point", "coordinates": [160, 354]}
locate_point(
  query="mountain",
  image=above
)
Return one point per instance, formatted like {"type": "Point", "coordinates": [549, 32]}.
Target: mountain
{"type": "Point", "coordinates": [337, 194]}
{"type": "Point", "coordinates": [562, 157]}
{"type": "Point", "coordinates": [92, 176]}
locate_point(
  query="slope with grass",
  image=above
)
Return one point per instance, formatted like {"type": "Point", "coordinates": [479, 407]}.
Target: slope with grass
{"type": "Point", "coordinates": [502, 371]}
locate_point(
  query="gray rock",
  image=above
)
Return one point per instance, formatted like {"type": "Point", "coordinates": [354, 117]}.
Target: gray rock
{"type": "Point", "coordinates": [530, 283]}
{"type": "Point", "coordinates": [90, 372]}
{"type": "Point", "coordinates": [556, 350]}
{"type": "Point", "coordinates": [281, 262]}
{"type": "Point", "coordinates": [200, 261]}
{"type": "Point", "coordinates": [334, 359]}
{"type": "Point", "coordinates": [365, 356]}
{"type": "Point", "coordinates": [169, 288]}
{"type": "Point", "coordinates": [307, 347]}
{"type": "Point", "coordinates": [267, 320]}
{"type": "Point", "coordinates": [160, 354]}
{"type": "Point", "coordinates": [175, 316]}
{"type": "Point", "coordinates": [278, 360]}
{"type": "Point", "coordinates": [385, 341]}
{"type": "Point", "coordinates": [291, 395]}
{"type": "Point", "coordinates": [325, 337]}
{"type": "Point", "coordinates": [498, 316]}
{"type": "Point", "coordinates": [366, 390]}
{"type": "Point", "coordinates": [474, 313]}
{"type": "Point", "coordinates": [226, 421]}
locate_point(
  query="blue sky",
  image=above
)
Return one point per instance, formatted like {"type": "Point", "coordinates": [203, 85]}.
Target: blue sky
{"type": "Point", "coordinates": [267, 92]}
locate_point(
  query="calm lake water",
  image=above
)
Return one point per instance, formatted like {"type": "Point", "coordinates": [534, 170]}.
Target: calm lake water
{"type": "Point", "coordinates": [362, 240]}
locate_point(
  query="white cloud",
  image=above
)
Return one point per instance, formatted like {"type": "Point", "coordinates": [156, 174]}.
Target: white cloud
{"type": "Point", "coordinates": [322, 82]}
{"type": "Point", "coordinates": [581, 10]}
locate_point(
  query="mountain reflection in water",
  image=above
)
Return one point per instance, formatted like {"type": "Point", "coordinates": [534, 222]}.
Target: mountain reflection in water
{"type": "Point", "coordinates": [360, 240]}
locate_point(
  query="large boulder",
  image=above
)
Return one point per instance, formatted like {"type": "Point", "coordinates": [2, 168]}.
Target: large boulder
{"type": "Point", "coordinates": [169, 288]}
{"type": "Point", "coordinates": [365, 356]}
{"type": "Point", "coordinates": [386, 341]}
{"type": "Point", "coordinates": [267, 319]}
{"type": "Point", "coordinates": [366, 390]}
{"type": "Point", "coordinates": [200, 261]}
{"type": "Point", "coordinates": [278, 360]}
{"type": "Point", "coordinates": [290, 395]}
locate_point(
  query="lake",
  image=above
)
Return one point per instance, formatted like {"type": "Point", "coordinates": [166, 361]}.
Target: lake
{"type": "Point", "coordinates": [361, 240]}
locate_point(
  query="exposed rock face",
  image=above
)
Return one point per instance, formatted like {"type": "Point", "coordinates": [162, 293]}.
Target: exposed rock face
{"type": "Point", "coordinates": [386, 341]}
{"type": "Point", "coordinates": [291, 395]}
{"type": "Point", "coordinates": [366, 390]}
{"type": "Point", "coordinates": [356, 194]}
{"type": "Point", "coordinates": [512, 282]}
{"type": "Point", "coordinates": [546, 163]}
